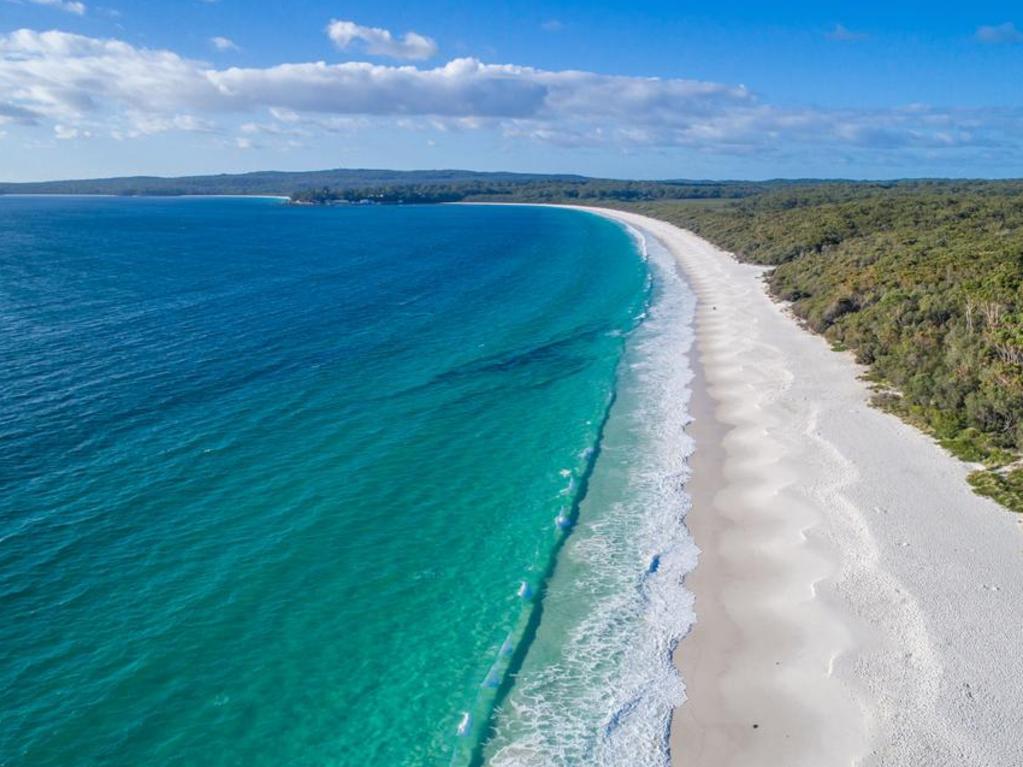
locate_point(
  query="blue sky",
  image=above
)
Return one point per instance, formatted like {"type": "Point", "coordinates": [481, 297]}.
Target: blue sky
{"type": "Point", "coordinates": [641, 89]}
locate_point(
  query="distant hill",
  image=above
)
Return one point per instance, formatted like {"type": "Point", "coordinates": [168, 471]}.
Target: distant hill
{"type": "Point", "coordinates": [352, 184]}
{"type": "Point", "coordinates": [274, 182]}
{"type": "Point", "coordinates": [397, 186]}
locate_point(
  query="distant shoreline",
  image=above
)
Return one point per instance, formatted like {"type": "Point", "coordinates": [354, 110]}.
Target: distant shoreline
{"type": "Point", "coordinates": [147, 196]}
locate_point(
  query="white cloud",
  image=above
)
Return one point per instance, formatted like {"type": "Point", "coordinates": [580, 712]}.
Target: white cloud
{"type": "Point", "coordinates": [65, 132]}
{"type": "Point", "coordinates": [66, 77]}
{"type": "Point", "coordinates": [223, 43]}
{"type": "Point", "coordinates": [552, 25]}
{"type": "Point", "coordinates": [285, 115]}
{"type": "Point", "coordinates": [148, 124]}
{"type": "Point", "coordinates": [97, 86]}
{"type": "Point", "coordinates": [1000, 33]}
{"type": "Point", "coordinates": [71, 6]}
{"type": "Point", "coordinates": [380, 42]}
{"type": "Point", "coordinates": [843, 34]}
{"type": "Point", "coordinates": [467, 88]}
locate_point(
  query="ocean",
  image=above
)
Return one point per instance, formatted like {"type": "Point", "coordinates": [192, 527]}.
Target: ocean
{"type": "Point", "coordinates": [338, 486]}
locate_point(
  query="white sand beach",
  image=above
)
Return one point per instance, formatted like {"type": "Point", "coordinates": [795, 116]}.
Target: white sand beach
{"type": "Point", "coordinates": [856, 602]}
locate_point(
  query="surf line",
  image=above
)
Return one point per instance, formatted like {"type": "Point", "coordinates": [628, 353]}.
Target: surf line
{"type": "Point", "coordinates": [474, 733]}
{"type": "Point", "coordinates": [477, 725]}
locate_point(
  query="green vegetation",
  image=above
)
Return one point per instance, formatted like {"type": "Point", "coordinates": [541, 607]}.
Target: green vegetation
{"type": "Point", "coordinates": [392, 186]}
{"type": "Point", "coordinates": [922, 281]}
{"type": "Point", "coordinates": [270, 182]}
{"type": "Point", "coordinates": [1004, 487]}
{"type": "Point", "coordinates": [545, 190]}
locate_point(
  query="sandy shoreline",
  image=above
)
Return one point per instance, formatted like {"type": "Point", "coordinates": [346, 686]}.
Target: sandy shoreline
{"type": "Point", "coordinates": [856, 602]}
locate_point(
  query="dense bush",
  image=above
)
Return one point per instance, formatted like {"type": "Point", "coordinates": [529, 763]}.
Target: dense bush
{"type": "Point", "coordinates": [550, 189]}
{"type": "Point", "coordinates": [922, 281]}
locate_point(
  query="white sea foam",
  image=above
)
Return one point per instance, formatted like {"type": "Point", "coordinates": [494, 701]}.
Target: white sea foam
{"type": "Point", "coordinates": [605, 692]}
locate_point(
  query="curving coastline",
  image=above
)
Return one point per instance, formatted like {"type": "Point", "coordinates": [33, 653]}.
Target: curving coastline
{"type": "Point", "coordinates": [598, 685]}
{"type": "Point", "coordinates": [854, 599]}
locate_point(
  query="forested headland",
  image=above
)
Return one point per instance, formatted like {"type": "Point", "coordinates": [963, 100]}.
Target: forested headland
{"type": "Point", "coordinates": [549, 189]}
{"type": "Point", "coordinates": [922, 281]}
{"type": "Point", "coordinates": [271, 182]}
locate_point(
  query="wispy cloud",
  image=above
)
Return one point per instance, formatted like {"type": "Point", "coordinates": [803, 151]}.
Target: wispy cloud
{"type": "Point", "coordinates": [71, 6]}
{"type": "Point", "coordinates": [12, 113]}
{"type": "Point", "coordinates": [844, 34]}
{"type": "Point", "coordinates": [77, 85]}
{"type": "Point", "coordinates": [999, 34]}
{"type": "Point", "coordinates": [67, 133]}
{"type": "Point", "coordinates": [223, 43]}
{"type": "Point", "coordinates": [380, 42]}
{"type": "Point", "coordinates": [552, 25]}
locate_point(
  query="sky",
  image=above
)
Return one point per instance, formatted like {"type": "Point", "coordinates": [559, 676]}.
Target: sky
{"type": "Point", "coordinates": [671, 89]}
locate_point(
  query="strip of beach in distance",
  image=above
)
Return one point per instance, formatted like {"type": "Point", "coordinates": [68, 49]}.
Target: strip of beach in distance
{"type": "Point", "coordinates": [853, 596]}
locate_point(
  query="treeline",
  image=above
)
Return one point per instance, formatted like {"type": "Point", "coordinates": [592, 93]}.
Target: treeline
{"type": "Point", "coordinates": [553, 189]}
{"type": "Point", "coordinates": [389, 186]}
{"type": "Point", "coordinates": [923, 281]}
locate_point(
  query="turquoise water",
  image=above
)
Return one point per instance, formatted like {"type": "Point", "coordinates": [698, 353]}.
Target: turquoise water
{"type": "Point", "coordinates": [310, 486]}
{"type": "Point", "coordinates": [598, 685]}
